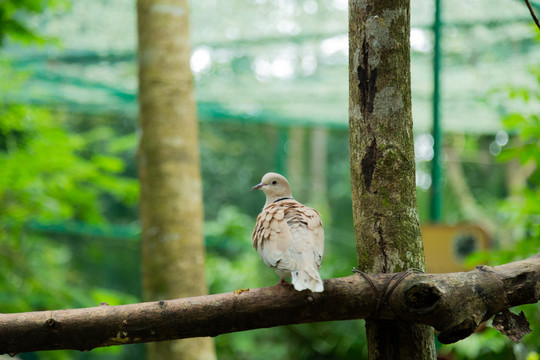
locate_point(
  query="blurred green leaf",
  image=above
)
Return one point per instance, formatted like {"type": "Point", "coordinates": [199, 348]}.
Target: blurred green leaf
{"type": "Point", "coordinates": [108, 163]}
{"type": "Point", "coordinates": [14, 18]}
{"type": "Point", "coordinates": [111, 297]}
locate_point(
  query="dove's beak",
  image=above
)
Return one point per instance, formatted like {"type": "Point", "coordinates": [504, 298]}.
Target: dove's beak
{"type": "Point", "coordinates": [258, 186]}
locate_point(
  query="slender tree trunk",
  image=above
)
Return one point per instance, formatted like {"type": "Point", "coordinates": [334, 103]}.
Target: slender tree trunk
{"type": "Point", "coordinates": [382, 163]}
{"type": "Point", "coordinates": [295, 161]}
{"type": "Point", "coordinates": [319, 152]}
{"type": "Point", "coordinates": [458, 182]}
{"type": "Point", "coordinates": [169, 170]}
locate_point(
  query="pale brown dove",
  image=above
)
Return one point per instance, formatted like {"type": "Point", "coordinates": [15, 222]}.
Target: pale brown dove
{"type": "Point", "coordinates": [288, 235]}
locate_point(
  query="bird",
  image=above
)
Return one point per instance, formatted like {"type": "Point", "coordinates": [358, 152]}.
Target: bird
{"type": "Point", "coordinates": [288, 235]}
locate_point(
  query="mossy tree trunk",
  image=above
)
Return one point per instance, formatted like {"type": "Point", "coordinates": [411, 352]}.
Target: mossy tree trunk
{"type": "Point", "coordinates": [385, 212]}
{"type": "Point", "coordinates": [169, 169]}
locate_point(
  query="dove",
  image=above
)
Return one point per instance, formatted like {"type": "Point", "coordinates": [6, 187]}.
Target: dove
{"type": "Point", "coordinates": [289, 236]}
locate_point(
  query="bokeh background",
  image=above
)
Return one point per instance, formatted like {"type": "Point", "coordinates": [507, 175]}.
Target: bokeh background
{"type": "Point", "coordinates": [271, 83]}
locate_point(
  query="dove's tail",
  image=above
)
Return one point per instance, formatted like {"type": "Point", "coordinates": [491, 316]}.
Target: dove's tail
{"type": "Point", "coordinates": [307, 279]}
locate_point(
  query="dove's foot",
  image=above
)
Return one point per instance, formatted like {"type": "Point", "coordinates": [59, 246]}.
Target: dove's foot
{"type": "Point", "coordinates": [282, 281]}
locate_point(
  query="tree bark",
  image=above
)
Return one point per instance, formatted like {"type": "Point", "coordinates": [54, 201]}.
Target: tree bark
{"type": "Point", "coordinates": [430, 299]}
{"type": "Point", "coordinates": [169, 171]}
{"type": "Point", "coordinates": [382, 162]}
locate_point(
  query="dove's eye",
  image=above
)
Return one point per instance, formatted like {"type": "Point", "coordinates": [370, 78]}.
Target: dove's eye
{"type": "Point", "coordinates": [274, 182]}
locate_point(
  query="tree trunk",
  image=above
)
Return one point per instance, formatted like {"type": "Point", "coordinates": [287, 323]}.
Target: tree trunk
{"type": "Point", "coordinates": [382, 163]}
{"type": "Point", "coordinates": [318, 168]}
{"type": "Point", "coordinates": [295, 161]}
{"type": "Point", "coordinates": [169, 170]}
{"type": "Point", "coordinates": [457, 180]}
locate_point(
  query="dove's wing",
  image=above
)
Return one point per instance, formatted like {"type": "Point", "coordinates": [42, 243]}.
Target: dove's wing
{"type": "Point", "coordinates": [307, 247]}
{"type": "Point", "coordinates": [307, 233]}
{"type": "Point", "coordinates": [272, 238]}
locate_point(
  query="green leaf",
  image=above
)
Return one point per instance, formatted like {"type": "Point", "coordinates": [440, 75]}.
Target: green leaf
{"type": "Point", "coordinates": [108, 163]}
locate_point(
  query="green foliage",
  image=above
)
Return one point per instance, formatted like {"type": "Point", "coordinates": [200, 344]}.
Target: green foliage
{"type": "Point", "coordinates": [519, 213]}
{"type": "Point", "coordinates": [488, 344]}
{"type": "Point", "coordinates": [49, 175]}
{"type": "Point", "coordinates": [521, 209]}
{"type": "Point", "coordinates": [14, 15]}
{"type": "Point", "coordinates": [45, 178]}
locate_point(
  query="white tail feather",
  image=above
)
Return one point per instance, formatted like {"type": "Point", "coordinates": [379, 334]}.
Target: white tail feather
{"type": "Point", "coordinates": [303, 280]}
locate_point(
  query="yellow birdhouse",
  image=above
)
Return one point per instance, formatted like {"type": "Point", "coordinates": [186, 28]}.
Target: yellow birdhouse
{"type": "Point", "coordinates": [447, 246]}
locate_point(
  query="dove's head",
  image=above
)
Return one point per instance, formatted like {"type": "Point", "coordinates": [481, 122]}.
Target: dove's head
{"type": "Point", "coordinates": [275, 187]}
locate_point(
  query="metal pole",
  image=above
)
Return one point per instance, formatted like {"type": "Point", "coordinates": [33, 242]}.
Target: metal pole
{"type": "Point", "coordinates": [435, 210]}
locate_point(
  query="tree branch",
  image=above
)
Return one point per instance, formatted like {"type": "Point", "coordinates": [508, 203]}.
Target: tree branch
{"type": "Point", "coordinates": [533, 15]}
{"type": "Point", "coordinates": [430, 299]}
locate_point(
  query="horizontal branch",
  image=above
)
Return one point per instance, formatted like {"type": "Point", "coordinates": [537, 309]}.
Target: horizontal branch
{"type": "Point", "coordinates": [454, 304]}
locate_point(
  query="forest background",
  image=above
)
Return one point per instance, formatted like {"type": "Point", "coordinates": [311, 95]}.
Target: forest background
{"type": "Point", "coordinates": [271, 89]}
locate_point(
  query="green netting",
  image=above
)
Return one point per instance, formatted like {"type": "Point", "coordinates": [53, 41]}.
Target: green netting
{"type": "Point", "coordinates": [281, 62]}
